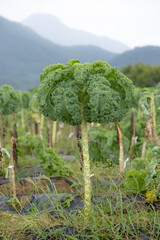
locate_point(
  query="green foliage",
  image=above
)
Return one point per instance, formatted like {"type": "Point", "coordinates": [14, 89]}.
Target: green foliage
{"type": "Point", "coordinates": [103, 144]}
{"type": "Point", "coordinates": [135, 180]}
{"type": "Point", "coordinates": [6, 157]}
{"type": "Point", "coordinates": [152, 180]}
{"type": "Point", "coordinates": [144, 175]}
{"type": "Point", "coordinates": [66, 200]}
{"type": "Point", "coordinates": [9, 100]}
{"type": "Point", "coordinates": [25, 98]}
{"type": "Point", "coordinates": [29, 145]}
{"type": "Point", "coordinates": [143, 75]}
{"type": "Point", "coordinates": [137, 148]}
{"type": "Point", "coordinates": [137, 93]}
{"type": "Point", "coordinates": [53, 163]}
{"type": "Point", "coordinates": [138, 164]}
{"type": "Point", "coordinates": [135, 175]}
{"type": "Point", "coordinates": [34, 105]}
{"type": "Point", "coordinates": [95, 92]}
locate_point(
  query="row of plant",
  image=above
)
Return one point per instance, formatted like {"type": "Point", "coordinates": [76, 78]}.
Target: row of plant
{"type": "Point", "coordinates": [91, 111]}
{"type": "Point", "coordinates": [96, 97]}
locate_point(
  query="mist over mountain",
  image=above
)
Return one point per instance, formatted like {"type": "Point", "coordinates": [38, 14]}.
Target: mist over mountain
{"type": "Point", "coordinates": [51, 28]}
{"type": "Point", "coordinates": [146, 55]}
{"type": "Point", "coordinates": [24, 54]}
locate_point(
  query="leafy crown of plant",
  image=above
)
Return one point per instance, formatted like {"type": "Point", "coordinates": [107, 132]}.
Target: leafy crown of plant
{"type": "Point", "coordinates": [25, 98]}
{"type": "Point", "coordinates": [9, 100]}
{"type": "Point", "coordinates": [95, 92]}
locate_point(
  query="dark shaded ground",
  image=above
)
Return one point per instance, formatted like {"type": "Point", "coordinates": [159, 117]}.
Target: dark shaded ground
{"type": "Point", "coordinates": [53, 203]}
{"type": "Point", "coordinates": [67, 232]}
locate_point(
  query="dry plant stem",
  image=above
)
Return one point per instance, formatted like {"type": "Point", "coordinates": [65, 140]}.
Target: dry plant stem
{"type": "Point", "coordinates": [156, 138]}
{"type": "Point", "coordinates": [86, 169]}
{"type": "Point", "coordinates": [121, 157]}
{"type": "Point", "coordinates": [144, 148]}
{"type": "Point", "coordinates": [15, 134]}
{"type": "Point", "coordinates": [54, 131]}
{"type": "Point", "coordinates": [13, 174]}
{"type": "Point", "coordinates": [35, 128]}
{"type": "Point", "coordinates": [14, 152]}
{"type": "Point", "coordinates": [1, 157]}
{"type": "Point", "coordinates": [148, 129]}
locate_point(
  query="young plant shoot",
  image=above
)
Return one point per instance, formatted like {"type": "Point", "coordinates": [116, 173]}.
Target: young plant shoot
{"type": "Point", "coordinates": [77, 94]}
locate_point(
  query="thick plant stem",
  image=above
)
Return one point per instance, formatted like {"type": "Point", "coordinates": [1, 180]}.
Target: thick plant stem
{"type": "Point", "coordinates": [13, 174]}
{"type": "Point", "coordinates": [86, 169]}
{"type": "Point", "coordinates": [54, 131]}
{"type": "Point", "coordinates": [49, 133]}
{"type": "Point", "coordinates": [79, 140]}
{"type": "Point", "coordinates": [41, 127]}
{"type": "Point", "coordinates": [153, 113]}
{"type": "Point", "coordinates": [132, 130]}
{"type": "Point", "coordinates": [121, 157]}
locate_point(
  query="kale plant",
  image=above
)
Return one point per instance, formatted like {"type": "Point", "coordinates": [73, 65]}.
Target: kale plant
{"type": "Point", "coordinates": [78, 93]}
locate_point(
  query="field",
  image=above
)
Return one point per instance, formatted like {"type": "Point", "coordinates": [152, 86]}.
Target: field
{"type": "Point", "coordinates": [44, 165]}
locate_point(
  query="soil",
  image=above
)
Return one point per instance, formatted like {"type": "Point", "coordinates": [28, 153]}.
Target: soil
{"type": "Point", "coordinates": [38, 186]}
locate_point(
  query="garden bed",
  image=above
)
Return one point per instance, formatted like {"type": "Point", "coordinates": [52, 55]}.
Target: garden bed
{"type": "Point", "coordinates": [37, 185]}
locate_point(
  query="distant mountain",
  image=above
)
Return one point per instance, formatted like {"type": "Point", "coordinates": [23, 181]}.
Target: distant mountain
{"type": "Point", "coordinates": [146, 55]}
{"type": "Point", "coordinates": [50, 27]}
{"type": "Point", "coordinates": [23, 55]}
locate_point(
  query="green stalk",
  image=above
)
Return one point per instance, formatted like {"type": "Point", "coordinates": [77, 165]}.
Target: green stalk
{"type": "Point", "coordinates": [86, 169]}
{"type": "Point", "coordinates": [13, 173]}
{"type": "Point", "coordinates": [54, 127]}
{"type": "Point", "coordinates": [49, 133]}
{"type": "Point", "coordinates": [153, 113]}
{"type": "Point", "coordinates": [1, 137]}
{"type": "Point", "coordinates": [41, 127]}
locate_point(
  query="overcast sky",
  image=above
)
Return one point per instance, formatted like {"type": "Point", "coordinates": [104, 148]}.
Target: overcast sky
{"type": "Point", "coordinates": [133, 22]}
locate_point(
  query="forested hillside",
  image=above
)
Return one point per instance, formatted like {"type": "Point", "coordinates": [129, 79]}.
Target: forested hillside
{"type": "Point", "coordinates": [23, 55]}
{"type": "Point", "coordinates": [146, 55]}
